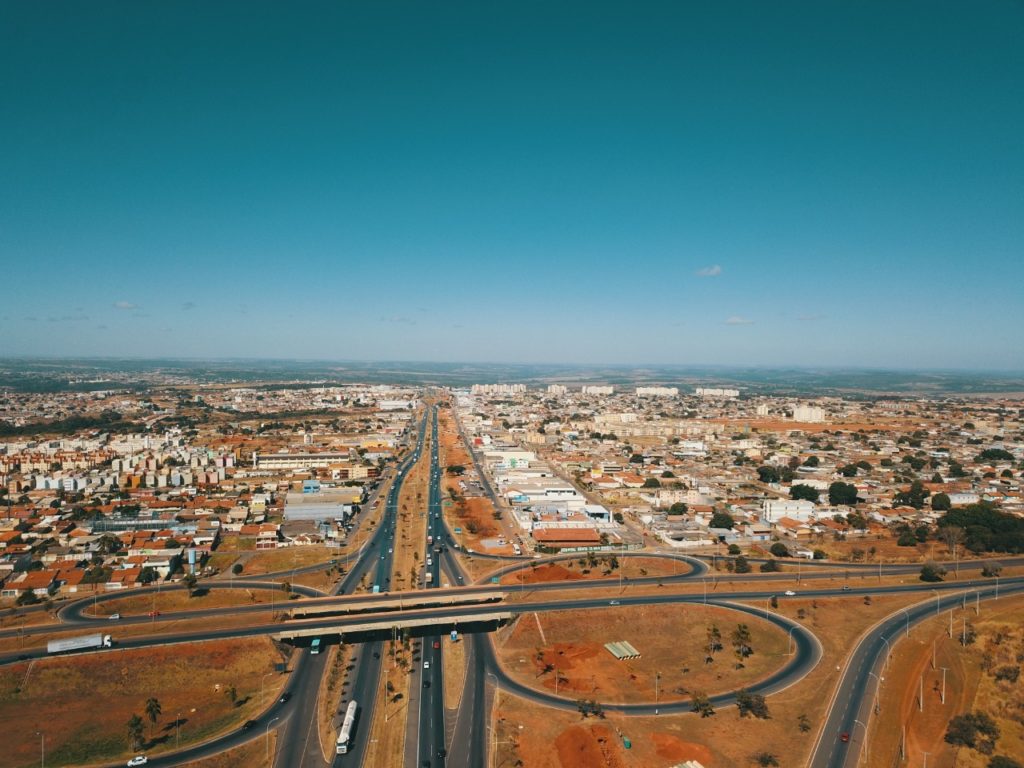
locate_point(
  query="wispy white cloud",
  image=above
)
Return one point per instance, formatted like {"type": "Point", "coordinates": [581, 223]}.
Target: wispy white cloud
{"type": "Point", "coordinates": [737, 320]}
{"type": "Point", "coordinates": [125, 305]}
{"type": "Point", "coordinates": [713, 270]}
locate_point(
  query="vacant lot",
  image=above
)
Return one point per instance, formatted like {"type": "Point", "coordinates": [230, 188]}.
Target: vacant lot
{"type": "Point", "coordinates": [569, 647]}
{"type": "Point", "coordinates": [723, 740]}
{"type": "Point", "coordinates": [93, 697]}
{"type": "Point", "coordinates": [597, 567]}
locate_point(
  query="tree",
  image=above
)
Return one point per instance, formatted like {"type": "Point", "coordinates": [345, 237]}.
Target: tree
{"type": "Point", "coordinates": [915, 496]}
{"type": "Point", "coordinates": [764, 759]}
{"type": "Point", "coordinates": [752, 704]}
{"type": "Point", "coordinates": [768, 474]}
{"type": "Point", "coordinates": [232, 694]}
{"type": "Point", "coordinates": [1000, 761]}
{"type": "Point", "coordinates": [734, 549]}
{"type": "Point", "coordinates": [842, 493]}
{"type": "Point", "coordinates": [906, 539]}
{"type": "Point", "coordinates": [951, 536]}
{"type": "Point", "coordinates": [741, 642]}
{"type": "Point", "coordinates": [779, 549]}
{"type": "Point", "coordinates": [975, 730]}
{"type": "Point", "coordinates": [714, 643]}
{"type": "Point", "coordinates": [850, 470]}
{"type": "Point", "coordinates": [941, 502]}
{"type": "Point", "coordinates": [741, 565]}
{"type": "Point", "coordinates": [652, 482]}
{"type": "Point", "coordinates": [678, 509]}
{"type": "Point", "coordinates": [135, 730]}
{"type": "Point", "coordinates": [190, 582]}
{"type": "Point", "coordinates": [812, 461]}
{"type": "Point", "coordinates": [993, 454]}
{"type": "Point", "coordinates": [803, 492]}
{"type": "Point", "coordinates": [932, 572]}
{"type": "Point", "coordinates": [236, 568]}
{"type": "Point", "coordinates": [803, 723]}
{"type": "Point", "coordinates": [721, 520]}
{"type": "Point", "coordinates": [770, 566]}
{"type": "Point", "coordinates": [153, 710]}
{"type": "Point", "coordinates": [702, 704]}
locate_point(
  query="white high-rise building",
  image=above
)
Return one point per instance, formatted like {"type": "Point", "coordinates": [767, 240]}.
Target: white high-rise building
{"type": "Point", "coordinates": [811, 414]}
{"type": "Point", "coordinates": [557, 389]}
{"type": "Point", "coordinates": [657, 391]}
{"type": "Point", "coordinates": [716, 392]}
{"type": "Point", "coordinates": [598, 390]}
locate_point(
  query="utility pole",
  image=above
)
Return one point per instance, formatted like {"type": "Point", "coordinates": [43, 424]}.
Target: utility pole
{"type": "Point", "coordinates": [925, 765]}
{"type": "Point", "coordinates": [933, 653]}
{"type": "Point", "coordinates": [920, 693]}
{"type": "Point", "coordinates": [944, 684]}
{"type": "Point", "coordinates": [657, 679]}
{"type": "Point", "coordinates": [950, 623]}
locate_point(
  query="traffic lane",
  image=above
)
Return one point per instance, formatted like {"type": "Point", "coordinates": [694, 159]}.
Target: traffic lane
{"type": "Point", "coordinates": [866, 661]}
{"type": "Point", "coordinates": [807, 653]}
{"type": "Point", "coordinates": [332, 626]}
{"type": "Point", "coordinates": [364, 693]}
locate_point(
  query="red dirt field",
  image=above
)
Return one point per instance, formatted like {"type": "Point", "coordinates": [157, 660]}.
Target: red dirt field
{"type": "Point", "coordinates": [673, 748]}
{"type": "Point", "coordinates": [588, 747]}
{"type": "Point", "coordinates": [542, 573]}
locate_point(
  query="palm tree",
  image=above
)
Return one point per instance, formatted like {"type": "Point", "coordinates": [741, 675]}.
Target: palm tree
{"type": "Point", "coordinates": [153, 710]}
{"type": "Point", "coordinates": [134, 732]}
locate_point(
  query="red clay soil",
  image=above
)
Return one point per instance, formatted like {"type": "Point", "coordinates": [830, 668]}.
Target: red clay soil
{"type": "Point", "coordinates": [478, 510]}
{"type": "Point", "coordinates": [596, 746]}
{"type": "Point", "coordinates": [673, 748]}
{"type": "Point", "coordinates": [565, 657]}
{"type": "Point", "coordinates": [542, 573]}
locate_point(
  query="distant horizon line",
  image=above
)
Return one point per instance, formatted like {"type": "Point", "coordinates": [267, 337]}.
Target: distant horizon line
{"type": "Point", "coordinates": [618, 365]}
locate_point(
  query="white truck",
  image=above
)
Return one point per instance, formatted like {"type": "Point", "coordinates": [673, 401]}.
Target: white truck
{"type": "Point", "coordinates": [81, 643]}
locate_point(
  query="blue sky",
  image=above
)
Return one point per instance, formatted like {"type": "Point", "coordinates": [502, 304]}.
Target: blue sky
{"type": "Point", "coordinates": [816, 183]}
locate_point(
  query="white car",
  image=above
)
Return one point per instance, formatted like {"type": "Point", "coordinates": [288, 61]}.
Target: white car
{"type": "Point", "coordinates": [114, 616]}
{"type": "Point", "coordinates": [426, 665]}
{"type": "Point", "coordinates": [790, 593]}
{"type": "Point", "coordinates": [138, 760]}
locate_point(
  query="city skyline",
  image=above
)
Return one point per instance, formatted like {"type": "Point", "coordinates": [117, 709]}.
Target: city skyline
{"type": "Point", "coordinates": [785, 186]}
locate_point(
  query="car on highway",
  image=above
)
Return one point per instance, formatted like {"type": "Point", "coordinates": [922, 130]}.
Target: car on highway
{"type": "Point", "coordinates": [138, 760]}
{"type": "Point", "coordinates": [437, 643]}
{"type": "Point", "coordinates": [284, 697]}
{"type": "Point", "coordinates": [846, 587]}
{"type": "Point", "coordinates": [426, 683]}
{"type": "Point", "coordinates": [844, 737]}
{"type": "Point", "coordinates": [426, 665]}
{"type": "Point", "coordinates": [248, 724]}
{"type": "Point", "coordinates": [114, 616]}
{"type": "Point", "coordinates": [442, 753]}
{"type": "Point", "coordinates": [154, 614]}
{"type": "Point", "coordinates": [614, 602]}
{"type": "Point", "coordinates": [790, 593]}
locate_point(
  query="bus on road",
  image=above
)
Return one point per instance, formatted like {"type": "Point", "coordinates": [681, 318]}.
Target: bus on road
{"type": "Point", "coordinates": [314, 647]}
{"type": "Point", "coordinates": [345, 735]}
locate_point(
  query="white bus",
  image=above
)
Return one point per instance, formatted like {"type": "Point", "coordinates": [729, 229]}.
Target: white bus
{"type": "Point", "coordinates": [346, 728]}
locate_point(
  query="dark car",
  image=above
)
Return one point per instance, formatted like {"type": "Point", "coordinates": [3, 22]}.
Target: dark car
{"type": "Point", "coordinates": [844, 737]}
{"type": "Point", "coordinates": [426, 683]}
{"type": "Point", "coordinates": [442, 753]}
{"type": "Point", "coordinates": [248, 724]}
{"type": "Point", "coordinates": [284, 697]}
{"type": "Point", "coordinates": [437, 643]}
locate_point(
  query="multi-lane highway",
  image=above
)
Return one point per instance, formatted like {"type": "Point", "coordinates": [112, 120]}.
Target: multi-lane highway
{"type": "Point", "coordinates": [463, 744]}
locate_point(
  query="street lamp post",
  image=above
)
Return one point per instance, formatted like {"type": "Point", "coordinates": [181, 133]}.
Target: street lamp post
{"type": "Point", "coordinates": [261, 685]}
{"type": "Point", "coordinates": [791, 650]}
{"type": "Point", "coordinates": [42, 749]}
{"type": "Point", "coordinates": [908, 620]}
{"type": "Point", "coordinates": [767, 603]}
{"type": "Point", "coordinates": [267, 734]}
{"type": "Point", "coordinates": [494, 729]}
{"type": "Point", "coordinates": [878, 685]}
{"type": "Point", "coordinates": [888, 650]}
{"type": "Point", "coordinates": [867, 756]}
{"type": "Point", "coordinates": [936, 601]}
{"type": "Point", "coordinates": [177, 730]}
{"type": "Point", "coordinates": [944, 684]}
{"type": "Point", "coordinates": [657, 680]}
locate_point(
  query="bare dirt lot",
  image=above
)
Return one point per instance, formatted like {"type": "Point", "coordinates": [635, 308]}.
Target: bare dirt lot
{"type": "Point", "coordinates": [565, 652]}
{"type": "Point", "coordinates": [601, 567]}
{"type": "Point", "coordinates": [723, 740]}
{"type": "Point", "coordinates": [94, 696]}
